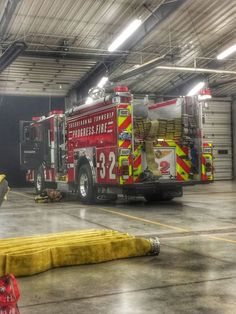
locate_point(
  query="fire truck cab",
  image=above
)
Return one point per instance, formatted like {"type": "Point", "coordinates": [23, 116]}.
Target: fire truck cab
{"type": "Point", "coordinates": [108, 148]}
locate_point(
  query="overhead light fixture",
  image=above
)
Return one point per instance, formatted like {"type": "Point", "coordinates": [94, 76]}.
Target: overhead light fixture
{"type": "Point", "coordinates": [127, 32]}
{"type": "Point", "coordinates": [11, 53]}
{"type": "Point", "coordinates": [196, 89]}
{"type": "Point", "coordinates": [102, 82]}
{"type": "Point", "coordinates": [224, 54]}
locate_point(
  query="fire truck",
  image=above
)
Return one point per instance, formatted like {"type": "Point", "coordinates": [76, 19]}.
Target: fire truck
{"type": "Point", "coordinates": [115, 146]}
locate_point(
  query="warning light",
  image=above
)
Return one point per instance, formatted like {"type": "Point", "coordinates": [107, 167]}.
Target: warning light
{"type": "Point", "coordinates": [122, 89]}
{"type": "Point", "coordinates": [204, 93]}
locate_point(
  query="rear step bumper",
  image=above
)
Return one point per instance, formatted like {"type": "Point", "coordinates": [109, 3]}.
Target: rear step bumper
{"type": "Point", "coordinates": [174, 188]}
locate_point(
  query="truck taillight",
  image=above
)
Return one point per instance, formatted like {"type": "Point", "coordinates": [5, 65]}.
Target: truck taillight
{"type": "Point", "coordinates": [121, 89]}
{"type": "Point", "coordinates": [209, 167]}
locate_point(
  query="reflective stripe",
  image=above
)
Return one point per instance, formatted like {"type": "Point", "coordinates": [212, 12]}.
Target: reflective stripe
{"type": "Point", "coordinates": [137, 163]}
{"type": "Point", "coordinates": [206, 157]}
{"type": "Point", "coordinates": [124, 123]}
{"type": "Point", "coordinates": [125, 141]}
{"type": "Point", "coordinates": [124, 144]}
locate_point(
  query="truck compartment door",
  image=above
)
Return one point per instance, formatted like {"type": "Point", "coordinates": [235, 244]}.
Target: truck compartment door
{"type": "Point", "coordinates": [30, 150]}
{"type": "Point", "coordinates": [165, 158]}
{"type": "Point", "coordinates": [33, 145]}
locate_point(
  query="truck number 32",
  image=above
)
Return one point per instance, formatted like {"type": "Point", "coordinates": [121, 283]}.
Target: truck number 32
{"type": "Point", "coordinates": [105, 165]}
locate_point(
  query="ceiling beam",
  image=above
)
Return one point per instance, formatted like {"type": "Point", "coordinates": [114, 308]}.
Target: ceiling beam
{"type": "Point", "coordinates": [11, 53]}
{"type": "Point", "coordinates": [7, 16]}
{"type": "Point", "coordinates": [65, 56]}
{"type": "Point", "coordinates": [156, 17]}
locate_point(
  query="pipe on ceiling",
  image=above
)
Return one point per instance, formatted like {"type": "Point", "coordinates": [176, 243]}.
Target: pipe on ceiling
{"type": "Point", "coordinates": [149, 66]}
{"type": "Point", "coordinates": [194, 70]}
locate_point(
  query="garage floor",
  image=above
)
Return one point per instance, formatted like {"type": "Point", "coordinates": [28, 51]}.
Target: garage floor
{"type": "Point", "coordinates": [194, 273]}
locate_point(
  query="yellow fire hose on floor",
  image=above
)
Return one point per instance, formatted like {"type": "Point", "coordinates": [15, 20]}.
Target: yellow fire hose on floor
{"type": "Point", "coordinates": [32, 255]}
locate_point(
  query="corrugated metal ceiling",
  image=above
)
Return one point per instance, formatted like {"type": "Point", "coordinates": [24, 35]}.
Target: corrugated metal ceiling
{"type": "Point", "coordinates": [32, 76]}
{"type": "Point", "coordinates": [87, 26]}
{"type": "Point", "coordinates": [196, 31]}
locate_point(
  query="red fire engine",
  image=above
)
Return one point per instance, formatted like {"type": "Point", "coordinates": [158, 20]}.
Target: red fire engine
{"type": "Point", "coordinates": [105, 148]}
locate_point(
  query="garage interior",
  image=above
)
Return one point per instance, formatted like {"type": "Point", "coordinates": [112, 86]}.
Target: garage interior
{"type": "Point", "coordinates": [52, 53]}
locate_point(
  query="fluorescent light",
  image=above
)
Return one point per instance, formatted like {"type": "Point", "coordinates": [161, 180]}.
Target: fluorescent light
{"type": "Point", "coordinates": [196, 89]}
{"type": "Point", "coordinates": [127, 32]}
{"type": "Point", "coordinates": [102, 82]}
{"type": "Point", "coordinates": [226, 52]}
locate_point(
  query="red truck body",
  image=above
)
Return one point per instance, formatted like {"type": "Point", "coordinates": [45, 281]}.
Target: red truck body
{"type": "Point", "coordinates": [94, 150]}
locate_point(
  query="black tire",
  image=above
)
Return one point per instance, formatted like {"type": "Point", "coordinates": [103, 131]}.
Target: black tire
{"type": "Point", "coordinates": [3, 190]}
{"type": "Point", "coordinates": [86, 191]}
{"type": "Point", "coordinates": [157, 197]}
{"type": "Point", "coordinates": [107, 197]}
{"type": "Point", "coordinates": [166, 198]}
{"type": "Point", "coordinates": [39, 181]}
{"type": "Point", "coordinates": [152, 198]}
{"type": "Point", "coordinates": [113, 197]}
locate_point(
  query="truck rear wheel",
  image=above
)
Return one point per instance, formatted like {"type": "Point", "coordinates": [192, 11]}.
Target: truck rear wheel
{"type": "Point", "coordinates": [39, 181]}
{"type": "Point", "coordinates": [86, 191]}
{"type": "Point", "coordinates": [107, 197]}
{"type": "Point", "coordinates": [158, 197]}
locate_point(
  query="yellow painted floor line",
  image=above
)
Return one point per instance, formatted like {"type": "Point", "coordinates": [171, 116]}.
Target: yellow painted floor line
{"type": "Point", "coordinates": [22, 194]}
{"type": "Point", "coordinates": [222, 239]}
{"type": "Point", "coordinates": [153, 222]}
{"type": "Point", "coordinates": [164, 225]}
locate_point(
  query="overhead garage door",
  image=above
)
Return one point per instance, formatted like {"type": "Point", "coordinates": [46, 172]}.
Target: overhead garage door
{"type": "Point", "coordinates": [217, 127]}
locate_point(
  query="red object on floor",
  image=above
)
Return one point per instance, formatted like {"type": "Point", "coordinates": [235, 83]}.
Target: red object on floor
{"type": "Point", "coordinates": [9, 295]}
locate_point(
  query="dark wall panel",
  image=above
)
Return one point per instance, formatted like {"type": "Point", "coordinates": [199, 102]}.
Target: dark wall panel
{"type": "Point", "coordinates": [12, 110]}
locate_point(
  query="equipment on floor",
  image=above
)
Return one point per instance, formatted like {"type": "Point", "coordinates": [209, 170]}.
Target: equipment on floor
{"type": "Point", "coordinates": [9, 295]}
{"type": "Point", "coordinates": [32, 255]}
{"type": "Point", "coordinates": [48, 196]}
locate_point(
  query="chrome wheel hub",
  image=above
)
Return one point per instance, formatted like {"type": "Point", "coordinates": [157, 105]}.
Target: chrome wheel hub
{"type": "Point", "coordinates": [39, 182]}
{"type": "Point", "coordinates": [83, 185]}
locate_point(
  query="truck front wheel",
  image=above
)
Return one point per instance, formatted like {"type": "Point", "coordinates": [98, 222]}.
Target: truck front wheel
{"type": "Point", "coordinates": [86, 191]}
{"type": "Point", "coordinates": [39, 181]}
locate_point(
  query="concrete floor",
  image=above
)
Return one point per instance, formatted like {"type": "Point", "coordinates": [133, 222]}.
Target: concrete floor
{"type": "Point", "coordinates": [194, 273]}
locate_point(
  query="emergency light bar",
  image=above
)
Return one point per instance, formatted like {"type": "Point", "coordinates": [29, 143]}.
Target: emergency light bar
{"type": "Point", "coordinates": [121, 89]}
